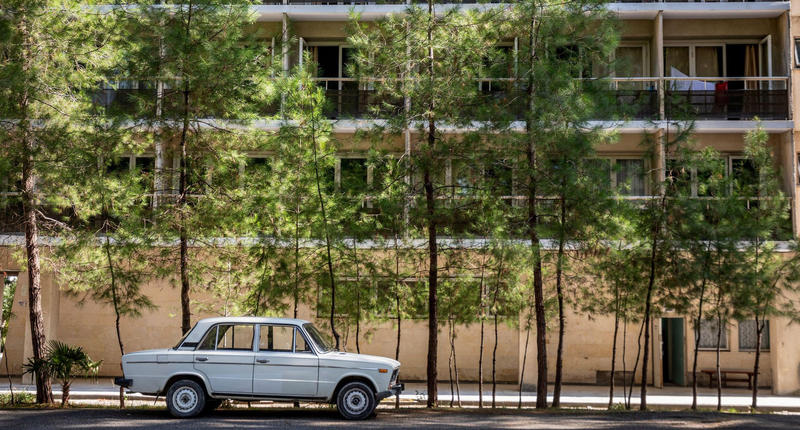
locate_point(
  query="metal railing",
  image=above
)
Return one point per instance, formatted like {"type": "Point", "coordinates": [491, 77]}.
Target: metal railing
{"type": "Point", "coordinates": [628, 98]}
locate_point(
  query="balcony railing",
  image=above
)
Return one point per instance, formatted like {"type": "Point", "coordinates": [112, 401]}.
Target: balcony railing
{"type": "Point", "coordinates": [632, 98]}
{"type": "Point", "coordinates": [727, 98]}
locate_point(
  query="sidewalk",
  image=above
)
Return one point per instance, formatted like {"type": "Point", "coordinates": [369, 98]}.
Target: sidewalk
{"type": "Point", "coordinates": [103, 391]}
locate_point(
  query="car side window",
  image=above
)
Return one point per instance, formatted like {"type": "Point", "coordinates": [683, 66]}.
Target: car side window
{"type": "Point", "coordinates": [276, 338]}
{"type": "Point", "coordinates": [301, 344]}
{"type": "Point", "coordinates": [229, 337]}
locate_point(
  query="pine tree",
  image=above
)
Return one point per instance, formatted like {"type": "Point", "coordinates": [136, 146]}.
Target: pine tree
{"type": "Point", "coordinates": [209, 72]}
{"type": "Point", "coordinates": [51, 53]}
{"type": "Point", "coordinates": [427, 63]}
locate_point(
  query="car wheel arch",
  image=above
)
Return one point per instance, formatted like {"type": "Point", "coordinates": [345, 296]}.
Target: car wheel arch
{"type": "Point", "coordinates": [190, 376]}
{"type": "Point", "coordinates": [353, 378]}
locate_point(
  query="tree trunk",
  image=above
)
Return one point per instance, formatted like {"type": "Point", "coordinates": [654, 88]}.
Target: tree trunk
{"type": "Point", "coordinates": [533, 223]}
{"type": "Point", "coordinates": [296, 291]}
{"type": "Point", "coordinates": [186, 311]}
{"type": "Point", "coordinates": [450, 361]}
{"type": "Point", "coordinates": [44, 391]}
{"type": "Point", "coordinates": [614, 352]}
{"type": "Point", "coordinates": [648, 302]}
{"type": "Point", "coordinates": [483, 336]}
{"type": "Point", "coordinates": [625, 398]}
{"type": "Point", "coordinates": [115, 302]}
{"type": "Point", "coordinates": [560, 296]}
{"type": "Point", "coordinates": [397, 347]}
{"type": "Point", "coordinates": [331, 277]}
{"type": "Point", "coordinates": [494, 349]}
{"type": "Point", "coordinates": [697, 343]}
{"type": "Point", "coordinates": [719, 371]}
{"type": "Point", "coordinates": [433, 252]}
{"type": "Point", "coordinates": [759, 333]}
{"type": "Point", "coordinates": [524, 357]}
{"type": "Point", "coordinates": [65, 393]}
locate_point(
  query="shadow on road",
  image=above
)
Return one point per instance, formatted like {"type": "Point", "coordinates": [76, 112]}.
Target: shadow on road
{"type": "Point", "coordinates": [315, 418]}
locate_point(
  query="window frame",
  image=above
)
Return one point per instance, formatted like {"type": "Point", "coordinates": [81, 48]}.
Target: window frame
{"type": "Point", "coordinates": [257, 345]}
{"type": "Point", "coordinates": [765, 336]}
{"type": "Point", "coordinates": [215, 328]}
{"type": "Point", "coordinates": [727, 337]}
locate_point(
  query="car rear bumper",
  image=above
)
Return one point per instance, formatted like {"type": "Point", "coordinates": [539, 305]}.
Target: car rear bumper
{"type": "Point", "coordinates": [394, 390]}
{"type": "Point", "coordinates": [123, 382]}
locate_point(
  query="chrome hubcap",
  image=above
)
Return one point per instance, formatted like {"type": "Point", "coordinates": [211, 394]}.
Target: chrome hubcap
{"type": "Point", "coordinates": [355, 401]}
{"type": "Point", "coordinates": [185, 399]}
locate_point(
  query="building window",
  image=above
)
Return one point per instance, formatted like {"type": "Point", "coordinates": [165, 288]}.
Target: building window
{"type": "Point", "coordinates": [708, 335]}
{"type": "Point", "coordinates": [797, 52]}
{"type": "Point", "coordinates": [629, 176]}
{"type": "Point", "coordinates": [748, 336]}
{"type": "Point", "coordinates": [353, 175]}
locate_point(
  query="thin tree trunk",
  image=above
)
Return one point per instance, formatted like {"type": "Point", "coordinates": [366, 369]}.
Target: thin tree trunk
{"type": "Point", "coordinates": [759, 333]}
{"type": "Point", "coordinates": [296, 292]}
{"type": "Point", "coordinates": [44, 391]}
{"type": "Point", "coordinates": [450, 361]}
{"type": "Point", "coordinates": [524, 357]}
{"type": "Point", "coordinates": [636, 362]}
{"type": "Point", "coordinates": [494, 349]}
{"type": "Point", "coordinates": [560, 296]}
{"type": "Point", "coordinates": [483, 334]}
{"type": "Point", "coordinates": [455, 368]}
{"type": "Point", "coordinates": [719, 340]}
{"type": "Point", "coordinates": [697, 342]}
{"type": "Point", "coordinates": [399, 313]}
{"type": "Point", "coordinates": [331, 277]}
{"type": "Point", "coordinates": [115, 302]}
{"type": "Point", "coordinates": [614, 351]}
{"type": "Point", "coordinates": [433, 252]}
{"type": "Point", "coordinates": [186, 312]}
{"type": "Point", "coordinates": [648, 301]}
{"type": "Point", "coordinates": [625, 398]}
{"type": "Point", "coordinates": [533, 224]}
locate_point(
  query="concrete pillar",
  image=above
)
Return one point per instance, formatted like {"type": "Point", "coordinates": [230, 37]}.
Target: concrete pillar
{"type": "Point", "coordinates": [657, 60]}
{"type": "Point", "coordinates": [784, 356]}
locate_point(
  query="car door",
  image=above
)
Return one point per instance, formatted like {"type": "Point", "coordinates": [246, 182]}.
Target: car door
{"type": "Point", "coordinates": [225, 356]}
{"type": "Point", "coordinates": [285, 364]}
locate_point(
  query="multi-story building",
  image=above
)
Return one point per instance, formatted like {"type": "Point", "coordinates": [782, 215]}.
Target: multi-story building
{"type": "Point", "coordinates": [731, 61]}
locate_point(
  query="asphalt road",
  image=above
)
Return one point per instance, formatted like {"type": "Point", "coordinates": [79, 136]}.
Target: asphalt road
{"type": "Point", "coordinates": [386, 419]}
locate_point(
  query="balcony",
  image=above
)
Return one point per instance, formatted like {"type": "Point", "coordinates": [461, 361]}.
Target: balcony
{"type": "Point", "coordinates": [717, 98]}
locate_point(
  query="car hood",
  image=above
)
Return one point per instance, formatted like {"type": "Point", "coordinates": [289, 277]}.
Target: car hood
{"type": "Point", "coordinates": [336, 357]}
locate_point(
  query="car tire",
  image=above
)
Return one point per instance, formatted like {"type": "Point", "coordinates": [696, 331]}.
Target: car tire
{"type": "Point", "coordinates": [186, 399]}
{"type": "Point", "coordinates": [356, 401]}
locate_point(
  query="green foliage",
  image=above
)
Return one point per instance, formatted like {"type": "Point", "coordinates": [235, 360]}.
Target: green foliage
{"type": "Point", "coordinates": [20, 398]}
{"type": "Point", "coordinates": [63, 362]}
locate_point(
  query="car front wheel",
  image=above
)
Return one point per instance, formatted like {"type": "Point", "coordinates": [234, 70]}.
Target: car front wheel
{"type": "Point", "coordinates": [355, 401]}
{"type": "Point", "coordinates": [186, 399]}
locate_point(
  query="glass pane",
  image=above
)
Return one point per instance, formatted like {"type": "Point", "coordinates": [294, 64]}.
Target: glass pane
{"type": "Point", "coordinates": [748, 335]}
{"type": "Point", "coordinates": [209, 341]}
{"type": "Point", "coordinates": [354, 175]}
{"type": "Point", "coordinates": [709, 333]}
{"type": "Point", "coordinates": [630, 177]}
{"type": "Point", "coordinates": [276, 338]}
{"type": "Point", "coordinates": [238, 337]}
{"type": "Point", "coordinates": [328, 61]}
{"type": "Point", "coordinates": [301, 344]}
{"type": "Point", "coordinates": [599, 169]}
{"type": "Point", "coordinates": [708, 61]}
{"type": "Point", "coordinates": [464, 176]}
{"type": "Point", "coordinates": [630, 61]}
{"type": "Point", "coordinates": [676, 61]}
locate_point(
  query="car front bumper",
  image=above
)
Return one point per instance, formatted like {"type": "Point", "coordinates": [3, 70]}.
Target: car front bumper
{"type": "Point", "coordinates": [394, 390]}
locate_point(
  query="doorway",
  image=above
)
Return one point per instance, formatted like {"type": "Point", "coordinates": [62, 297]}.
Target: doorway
{"type": "Point", "coordinates": [673, 343]}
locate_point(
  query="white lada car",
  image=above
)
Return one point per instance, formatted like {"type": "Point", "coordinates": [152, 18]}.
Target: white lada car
{"type": "Point", "coordinates": [251, 358]}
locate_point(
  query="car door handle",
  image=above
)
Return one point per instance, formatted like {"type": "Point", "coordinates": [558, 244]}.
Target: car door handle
{"type": "Point", "coordinates": [201, 358]}
{"type": "Point", "coordinates": [262, 360]}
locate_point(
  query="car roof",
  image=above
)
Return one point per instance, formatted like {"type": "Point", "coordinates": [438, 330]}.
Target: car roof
{"type": "Point", "coordinates": [251, 320]}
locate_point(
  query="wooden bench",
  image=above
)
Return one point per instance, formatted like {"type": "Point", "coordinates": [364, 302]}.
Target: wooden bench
{"type": "Point", "coordinates": [740, 375]}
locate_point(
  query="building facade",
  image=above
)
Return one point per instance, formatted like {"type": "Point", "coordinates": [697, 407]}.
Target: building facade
{"type": "Point", "coordinates": [733, 62]}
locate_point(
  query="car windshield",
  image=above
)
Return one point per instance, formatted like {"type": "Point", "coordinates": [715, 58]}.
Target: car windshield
{"type": "Point", "coordinates": [320, 339]}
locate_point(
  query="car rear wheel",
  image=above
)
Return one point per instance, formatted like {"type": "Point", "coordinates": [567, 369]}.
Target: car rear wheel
{"type": "Point", "coordinates": [186, 399]}
{"type": "Point", "coordinates": [356, 401]}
